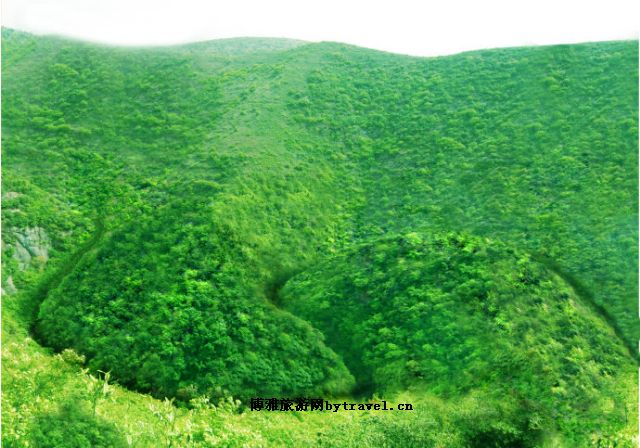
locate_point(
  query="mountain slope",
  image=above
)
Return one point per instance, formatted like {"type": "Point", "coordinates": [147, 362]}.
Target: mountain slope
{"type": "Point", "coordinates": [221, 170]}
{"type": "Point", "coordinates": [452, 313]}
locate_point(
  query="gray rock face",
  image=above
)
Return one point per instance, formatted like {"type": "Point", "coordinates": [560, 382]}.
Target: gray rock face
{"type": "Point", "coordinates": [9, 287]}
{"type": "Point", "coordinates": [31, 243]}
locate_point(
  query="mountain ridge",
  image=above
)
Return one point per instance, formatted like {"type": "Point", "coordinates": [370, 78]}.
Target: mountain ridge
{"type": "Point", "coordinates": [289, 43]}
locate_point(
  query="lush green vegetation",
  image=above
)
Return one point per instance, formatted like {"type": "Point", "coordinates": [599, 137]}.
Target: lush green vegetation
{"type": "Point", "coordinates": [178, 317]}
{"type": "Point", "coordinates": [268, 217]}
{"type": "Point", "coordinates": [535, 147]}
{"type": "Point", "coordinates": [456, 313]}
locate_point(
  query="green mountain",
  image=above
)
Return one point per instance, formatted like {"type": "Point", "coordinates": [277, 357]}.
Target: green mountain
{"type": "Point", "coordinates": [274, 218]}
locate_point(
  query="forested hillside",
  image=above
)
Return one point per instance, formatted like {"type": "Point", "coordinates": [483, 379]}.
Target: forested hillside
{"type": "Point", "coordinates": [272, 218]}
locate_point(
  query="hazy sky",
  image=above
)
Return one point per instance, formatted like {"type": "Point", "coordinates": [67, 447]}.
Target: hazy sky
{"type": "Point", "coordinates": [402, 26]}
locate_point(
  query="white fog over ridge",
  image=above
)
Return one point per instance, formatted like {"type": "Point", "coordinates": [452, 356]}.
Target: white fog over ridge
{"type": "Point", "coordinates": [402, 26]}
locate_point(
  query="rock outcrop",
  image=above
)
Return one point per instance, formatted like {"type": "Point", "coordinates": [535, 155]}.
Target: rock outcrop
{"type": "Point", "coordinates": [32, 243]}
{"type": "Point", "coordinates": [8, 287]}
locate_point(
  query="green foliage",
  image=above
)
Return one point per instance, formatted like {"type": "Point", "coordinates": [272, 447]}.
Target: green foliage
{"type": "Point", "coordinates": [74, 427]}
{"type": "Point", "coordinates": [181, 315]}
{"type": "Point", "coordinates": [183, 187]}
{"type": "Point", "coordinates": [534, 146]}
{"type": "Point", "coordinates": [473, 421]}
{"type": "Point", "coordinates": [452, 313]}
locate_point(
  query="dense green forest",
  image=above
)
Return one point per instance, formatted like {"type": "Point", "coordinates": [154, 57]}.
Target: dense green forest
{"type": "Point", "coordinates": [249, 218]}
